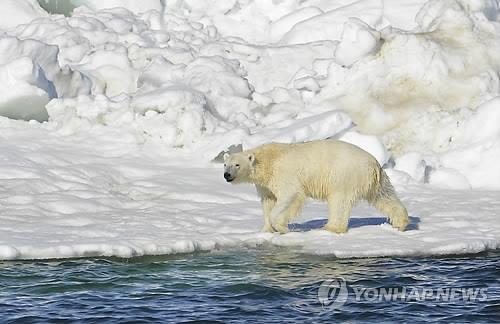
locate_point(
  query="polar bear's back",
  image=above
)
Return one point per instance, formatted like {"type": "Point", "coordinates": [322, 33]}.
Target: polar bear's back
{"type": "Point", "coordinates": [321, 166]}
{"type": "Point", "coordinates": [342, 154]}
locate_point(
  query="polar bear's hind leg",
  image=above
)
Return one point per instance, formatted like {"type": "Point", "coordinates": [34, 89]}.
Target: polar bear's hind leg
{"type": "Point", "coordinates": [386, 201]}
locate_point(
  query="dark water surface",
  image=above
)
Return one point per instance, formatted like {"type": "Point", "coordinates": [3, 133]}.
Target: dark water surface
{"type": "Point", "coordinates": [265, 285]}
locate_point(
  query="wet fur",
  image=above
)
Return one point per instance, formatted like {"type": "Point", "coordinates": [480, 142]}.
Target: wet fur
{"type": "Point", "coordinates": [339, 173]}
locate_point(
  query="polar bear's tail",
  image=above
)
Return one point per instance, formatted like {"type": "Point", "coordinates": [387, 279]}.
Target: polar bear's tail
{"type": "Point", "coordinates": [388, 203]}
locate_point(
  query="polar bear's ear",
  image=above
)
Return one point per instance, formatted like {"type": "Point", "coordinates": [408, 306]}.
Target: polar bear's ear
{"type": "Point", "coordinates": [226, 155]}
{"type": "Point", "coordinates": [251, 158]}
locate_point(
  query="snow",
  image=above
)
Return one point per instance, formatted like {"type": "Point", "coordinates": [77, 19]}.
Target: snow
{"type": "Point", "coordinates": [329, 25]}
{"type": "Point", "coordinates": [16, 12]}
{"type": "Point", "coordinates": [31, 76]}
{"type": "Point", "coordinates": [112, 114]}
{"type": "Point", "coordinates": [477, 147]}
{"type": "Point", "coordinates": [358, 41]}
{"type": "Point", "coordinates": [85, 195]}
{"type": "Point", "coordinates": [413, 164]}
{"type": "Point", "coordinates": [132, 5]}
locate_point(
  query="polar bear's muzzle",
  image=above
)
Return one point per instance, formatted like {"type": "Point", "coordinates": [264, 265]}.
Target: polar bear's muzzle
{"type": "Point", "coordinates": [228, 177]}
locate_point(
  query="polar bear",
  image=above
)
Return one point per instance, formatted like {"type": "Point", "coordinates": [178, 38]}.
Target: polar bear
{"type": "Point", "coordinates": [338, 172]}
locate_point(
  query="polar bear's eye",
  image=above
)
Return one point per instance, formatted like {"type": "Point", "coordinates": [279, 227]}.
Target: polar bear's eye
{"type": "Point", "coordinates": [237, 165]}
{"type": "Point", "coordinates": [224, 164]}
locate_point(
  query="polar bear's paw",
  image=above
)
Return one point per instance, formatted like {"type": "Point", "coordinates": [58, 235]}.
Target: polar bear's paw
{"type": "Point", "coordinates": [281, 228]}
{"type": "Point", "coordinates": [400, 223]}
{"type": "Point", "coordinates": [267, 229]}
{"type": "Point", "coordinates": [335, 228]}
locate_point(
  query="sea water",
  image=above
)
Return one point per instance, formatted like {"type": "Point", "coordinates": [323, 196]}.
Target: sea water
{"type": "Point", "coordinates": [265, 284]}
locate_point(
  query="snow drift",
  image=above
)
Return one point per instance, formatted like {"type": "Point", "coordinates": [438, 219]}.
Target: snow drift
{"type": "Point", "coordinates": [179, 74]}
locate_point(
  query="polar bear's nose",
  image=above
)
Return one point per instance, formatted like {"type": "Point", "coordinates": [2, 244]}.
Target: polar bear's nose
{"type": "Point", "coordinates": [227, 175]}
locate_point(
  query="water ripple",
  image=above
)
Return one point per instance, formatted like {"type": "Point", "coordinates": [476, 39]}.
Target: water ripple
{"type": "Point", "coordinates": [263, 285]}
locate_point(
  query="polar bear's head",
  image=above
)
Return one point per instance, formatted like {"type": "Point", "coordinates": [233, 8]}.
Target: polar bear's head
{"type": "Point", "coordinates": [238, 166]}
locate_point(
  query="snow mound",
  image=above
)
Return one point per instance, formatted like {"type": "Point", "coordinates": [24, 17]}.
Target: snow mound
{"type": "Point", "coordinates": [17, 12]}
{"type": "Point", "coordinates": [31, 76]}
{"type": "Point", "coordinates": [136, 7]}
{"type": "Point", "coordinates": [477, 148]}
{"type": "Point", "coordinates": [193, 75]}
{"type": "Point", "coordinates": [329, 25]}
{"type": "Point", "coordinates": [293, 21]}
{"type": "Point", "coordinates": [358, 40]}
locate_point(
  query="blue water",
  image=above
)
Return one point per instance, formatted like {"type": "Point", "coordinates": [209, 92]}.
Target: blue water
{"type": "Point", "coordinates": [268, 285]}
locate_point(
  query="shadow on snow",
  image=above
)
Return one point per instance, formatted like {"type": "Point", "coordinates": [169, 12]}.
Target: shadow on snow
{"type": "Point", "coordinates": [353, 223]}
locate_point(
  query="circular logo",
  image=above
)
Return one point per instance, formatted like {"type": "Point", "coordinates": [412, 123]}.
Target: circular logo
{"type": "Point", "coordinates": [333, 293]}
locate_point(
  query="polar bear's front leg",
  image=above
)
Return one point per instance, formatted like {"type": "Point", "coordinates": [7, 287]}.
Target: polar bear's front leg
{"type": "Point", "coordinates": [281, 213]}
{"type": "Point", "coordinates": [267, 206]}
{"type": "Point", "coordinates": [268, 201]}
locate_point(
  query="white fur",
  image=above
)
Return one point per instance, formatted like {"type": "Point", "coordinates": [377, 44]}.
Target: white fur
{"type": "Point", "coordinates": [338, 172]}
